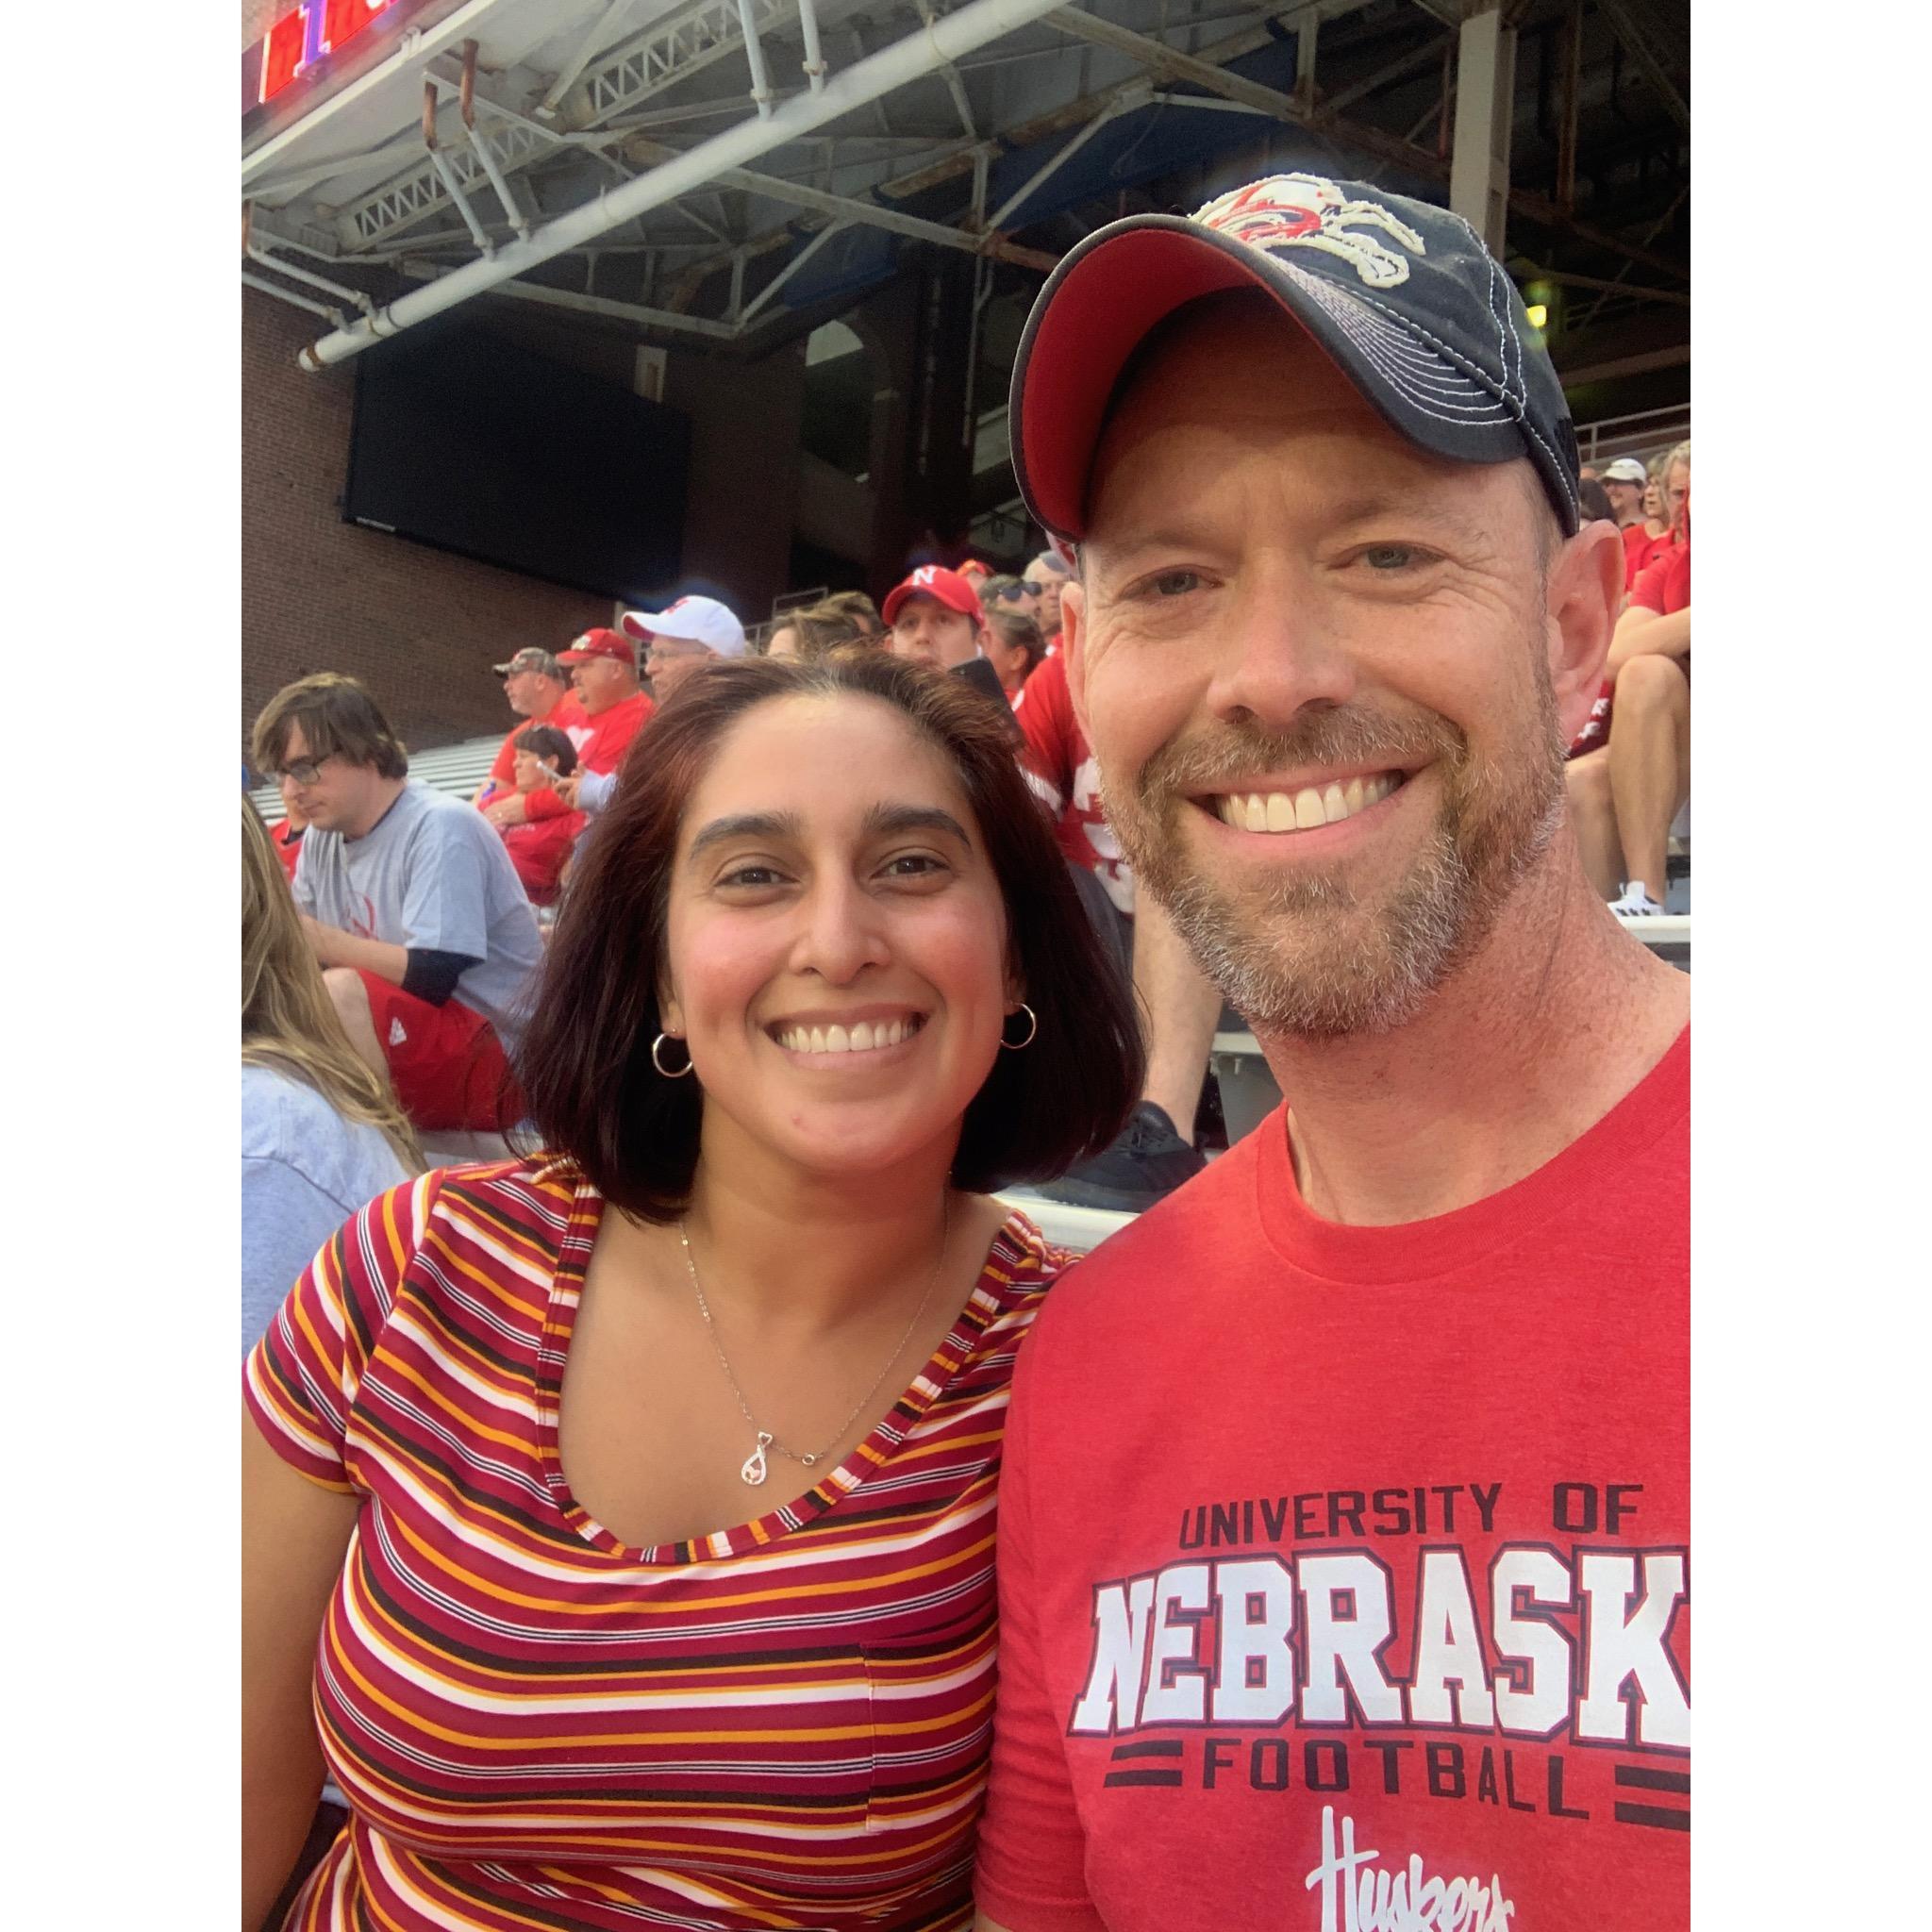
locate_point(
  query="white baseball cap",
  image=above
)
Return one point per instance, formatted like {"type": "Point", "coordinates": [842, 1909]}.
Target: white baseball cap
{"type": "Point", "coordinates": [698, 620]}
{"type": "Point", "coordinates": [1624, 470]}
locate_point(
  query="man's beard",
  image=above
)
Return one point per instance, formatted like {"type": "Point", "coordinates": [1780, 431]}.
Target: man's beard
{"type": "Point", "coordinates": [1299, 953]}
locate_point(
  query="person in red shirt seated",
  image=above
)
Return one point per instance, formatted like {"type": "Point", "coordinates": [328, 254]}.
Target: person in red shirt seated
{"type": "Point", "coordinates": [604, 680]}
{"type": "Point", "coordinates": [540, 848]}
{"type": "Point", "coordinates": [1647, 539]}
{"type": "Point", "coordinates": [1629, 771]}
{"type": "Point", "coordinates": [538, 688]}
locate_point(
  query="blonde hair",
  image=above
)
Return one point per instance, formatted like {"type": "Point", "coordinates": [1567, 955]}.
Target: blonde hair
{"type": "Point", "coordinates": [289, 1022]}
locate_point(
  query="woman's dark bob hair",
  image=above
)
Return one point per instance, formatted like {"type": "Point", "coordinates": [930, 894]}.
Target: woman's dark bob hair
{"type": "Point", "coordinates": [585, 1064]}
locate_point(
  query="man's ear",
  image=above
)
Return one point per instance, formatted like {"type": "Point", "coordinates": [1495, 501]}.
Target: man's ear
{"type": "Point", "coordinates": [1582, 592]}
{"type": "Point", "coordinates": [1073, 646]}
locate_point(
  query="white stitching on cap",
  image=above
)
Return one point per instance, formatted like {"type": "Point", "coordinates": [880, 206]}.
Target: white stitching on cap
{"type": "Point", "coordinates": [1520, 392]}
{"type": "Point", "coordinates": [1374, 345]}
{"type": "Point", "coordinates": [1519, 414]}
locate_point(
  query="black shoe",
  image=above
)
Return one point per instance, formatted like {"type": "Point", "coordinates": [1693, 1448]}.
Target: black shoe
{"type": "Point", "coordinates": [1148, 1161]}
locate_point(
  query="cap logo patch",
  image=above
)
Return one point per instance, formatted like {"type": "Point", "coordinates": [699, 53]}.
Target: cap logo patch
{"type": "Point", "coordinates": [1306, 212]}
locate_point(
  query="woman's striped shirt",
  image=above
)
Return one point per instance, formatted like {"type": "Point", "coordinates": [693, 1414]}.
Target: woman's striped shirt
{"type": "Point", "coordinates": [782, 1724]}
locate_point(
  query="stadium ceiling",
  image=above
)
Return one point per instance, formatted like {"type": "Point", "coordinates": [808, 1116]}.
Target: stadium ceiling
{"type": "Point", "coordinates": [733, 171]}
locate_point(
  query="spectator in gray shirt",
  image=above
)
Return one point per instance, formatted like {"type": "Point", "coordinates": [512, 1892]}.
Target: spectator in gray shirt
{"type": "Point", "coordinates": [411, 906]}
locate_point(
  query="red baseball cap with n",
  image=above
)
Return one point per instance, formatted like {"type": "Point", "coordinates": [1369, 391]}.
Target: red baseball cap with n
{"type": "Point", "coordinates": [944, 586]}
{"type": "Point", "coordinates": [600, 643]}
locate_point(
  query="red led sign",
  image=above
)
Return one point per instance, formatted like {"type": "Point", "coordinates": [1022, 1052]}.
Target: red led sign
{"type": "Point", "coordinates": [302, 38]}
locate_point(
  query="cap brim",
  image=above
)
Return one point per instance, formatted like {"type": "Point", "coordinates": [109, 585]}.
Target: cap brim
{"type": "Point", "coordinates": [904, 594]}
{"type": "Point", "coordinates": [687, 630]}
{"type": "Point", "coordinates": [631, 624]}
{"type": "Point", "coordinates": [504, 669]}
{"type": "Point", "coordinates": [1107, 295]}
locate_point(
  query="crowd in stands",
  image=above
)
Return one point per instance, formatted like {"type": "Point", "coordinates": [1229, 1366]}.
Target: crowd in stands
{"type": "Point", "coordinates": [1629, 770]}
{"type": "Point", "coordinates": [423, 943]}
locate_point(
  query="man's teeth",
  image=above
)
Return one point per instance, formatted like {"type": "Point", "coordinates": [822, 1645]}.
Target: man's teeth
{"type": "Point", "coordinates": [1295, 811]}
{"type": "Point", "coordinates": [861, 1038]}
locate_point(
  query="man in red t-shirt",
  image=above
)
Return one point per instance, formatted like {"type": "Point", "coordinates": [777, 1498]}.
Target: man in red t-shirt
{"type": "Point", "coordinates": [538, 690]}
{"type": "Point", "coordinates": [604, 679]}
{"type": "Point", "coordinates": [1344, 1501]}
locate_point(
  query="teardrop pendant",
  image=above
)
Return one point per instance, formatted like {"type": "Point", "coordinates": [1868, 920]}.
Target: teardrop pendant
{"type": "Point", "coordinates": [753, 1468]}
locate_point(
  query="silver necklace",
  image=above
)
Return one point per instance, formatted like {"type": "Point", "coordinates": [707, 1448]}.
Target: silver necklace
{"type": "Point", "coordinates": [753, 1470]}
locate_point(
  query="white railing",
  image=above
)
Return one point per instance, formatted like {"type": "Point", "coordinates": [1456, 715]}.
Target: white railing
{"type": "Point", "coordinates": [1642, 433]}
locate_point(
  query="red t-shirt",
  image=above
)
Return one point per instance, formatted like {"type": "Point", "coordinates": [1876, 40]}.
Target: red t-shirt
{"type": "Point", "coordinates": [1640, 548]}
{"type": "Point", "coordinates": [1343, 1571]}
{"type": "Point", "coordinates": [565, 715]}
{"type": "Point", "coordinates": [601, 743]}
{"type": "Point", "coordinates": [1061, 764]}
{"type": "Point", "coordinates": [1664, 584]}
{"type": "Point", "coordinates": [539, 849]}
{"type": "Point", "coordinates": [288, 843]}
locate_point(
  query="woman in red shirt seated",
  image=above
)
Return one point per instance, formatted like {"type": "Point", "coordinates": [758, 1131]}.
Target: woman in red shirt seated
{"type": "Point", "coordinates": [622, 1513]}
{"type": "Point", "coordinates": [539, 847]}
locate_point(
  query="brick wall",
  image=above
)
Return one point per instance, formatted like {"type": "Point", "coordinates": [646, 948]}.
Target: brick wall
{"type": "Point", "coordinates": [421, 628]}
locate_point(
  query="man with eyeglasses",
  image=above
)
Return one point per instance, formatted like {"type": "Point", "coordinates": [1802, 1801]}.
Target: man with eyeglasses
{"type": "Point", "coordinates": [411, 906]}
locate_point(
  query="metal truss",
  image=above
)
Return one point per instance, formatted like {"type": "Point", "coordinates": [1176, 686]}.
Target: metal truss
{"type": "Point", "coordinates": [666, 53]}
{"type": "Point", "coordinates": [661, 57]}
{"type": "Point", "coordinates": [421, 192]}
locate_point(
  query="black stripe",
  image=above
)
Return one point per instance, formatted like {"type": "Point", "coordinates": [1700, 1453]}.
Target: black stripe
{"type": "Point", "coordinates": [1154, 1747]}
{"type": "Point", "coordinates": [1141, 1778]}
{"type": "Point", "coordinates": [1648, 1779]}
{"type": "Point", "coordinates": [1654, 1814]}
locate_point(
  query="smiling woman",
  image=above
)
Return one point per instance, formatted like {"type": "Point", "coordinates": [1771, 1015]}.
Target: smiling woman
{"type": "Point", "coordinates": [588, 1655]}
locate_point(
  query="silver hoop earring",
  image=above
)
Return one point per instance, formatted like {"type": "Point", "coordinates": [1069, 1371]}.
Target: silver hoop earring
{"type": "Point", "coordinates": [669, 1072]}
{"type": "Point", "coordinates": [1032, 1028]}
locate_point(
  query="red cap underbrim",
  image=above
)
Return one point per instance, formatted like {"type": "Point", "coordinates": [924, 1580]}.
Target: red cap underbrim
{"type": "Point", "coordinates": [1104, 308]}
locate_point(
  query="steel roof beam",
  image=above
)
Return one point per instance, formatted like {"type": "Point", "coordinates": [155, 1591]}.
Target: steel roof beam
{"type": "Point", "coordinates": [910, 59]}
{"type": "Point", "coordinates": [659, 58]}
{"type": "Point", "coordinates": [843, 208]}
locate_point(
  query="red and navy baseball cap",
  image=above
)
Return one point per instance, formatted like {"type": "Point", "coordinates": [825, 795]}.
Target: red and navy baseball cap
{"type": "Point", "coordinates": [934, 580]}
{"type": "Point", "coordinates": [599, 643]}
{"type": "Point", "coordinates": [1403, 297]}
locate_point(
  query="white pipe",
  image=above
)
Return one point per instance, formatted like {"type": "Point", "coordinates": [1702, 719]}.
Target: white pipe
{"type": "Point", "coordinates": [267, 288]}
{"type": "Point", "coordinates": [814, 60]}
{"type": "Point", "coordinates": [257, 252]}
{"type": "Point", "coordinates": [755, 53]}
{"type": "Point", "coordinates": [511, 207]}
{"type": "Point", "coordinates": [453, 189]}
{"type": "Point", "coordinates": [905, 60]}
